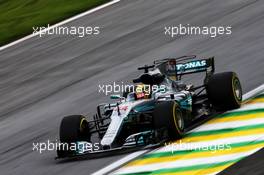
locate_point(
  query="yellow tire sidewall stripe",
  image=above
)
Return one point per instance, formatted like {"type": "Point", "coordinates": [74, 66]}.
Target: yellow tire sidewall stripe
{"type": "Point", "coordinates": [175, 105]}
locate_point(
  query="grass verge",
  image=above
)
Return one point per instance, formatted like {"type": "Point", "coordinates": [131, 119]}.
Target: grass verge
{"type": "Point", "coordinates": [17, 17]}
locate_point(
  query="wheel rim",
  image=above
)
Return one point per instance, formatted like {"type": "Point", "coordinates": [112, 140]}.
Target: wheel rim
{"type": "Point", "coordinates": [237, 89]}
{"type": "Point", "coordinates": [180, 120]}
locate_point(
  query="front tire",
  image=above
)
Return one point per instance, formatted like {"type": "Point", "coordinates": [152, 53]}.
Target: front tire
{"type": "Point", "coordinates": [74, 128]}
{"type": "Point", "coordinates": [224, 91]}
{"type": "Point", "coordinates": [169, 115]}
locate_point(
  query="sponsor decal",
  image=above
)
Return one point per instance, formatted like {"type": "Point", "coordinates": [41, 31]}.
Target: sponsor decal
{"type": "Point", "coordinates": [186, 66]}
{"type": "Point", "coordinates": [121, 108]}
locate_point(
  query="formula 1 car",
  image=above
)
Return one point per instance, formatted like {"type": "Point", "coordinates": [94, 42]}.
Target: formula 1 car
{"type": "Point", "coordinates": [148, 117]}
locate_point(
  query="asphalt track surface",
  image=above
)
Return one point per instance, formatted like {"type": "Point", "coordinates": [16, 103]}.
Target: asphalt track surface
{"type": "Point", "coordinates": [44, 79]}
{"type": "Point", "coordinates": [250, 165]}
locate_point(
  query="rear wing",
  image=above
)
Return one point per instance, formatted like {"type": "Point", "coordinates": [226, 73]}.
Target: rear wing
{"type": "Point", "coordinates": [176, 67]}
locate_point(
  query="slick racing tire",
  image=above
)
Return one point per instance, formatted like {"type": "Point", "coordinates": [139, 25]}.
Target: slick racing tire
{"type": "Point", "coordinates": [168, 115]}
{"type": "Point", "coordinates": [224, 91]}
{"type": "Point", "coordinates": [74, 128]}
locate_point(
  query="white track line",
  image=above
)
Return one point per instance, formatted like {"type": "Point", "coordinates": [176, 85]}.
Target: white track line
{"type": "Point", "coordinates": [247, 107]}
{"type": "Point", "coordinates": [61, 23]}
{"type": "Point", "coordinates": [253, 92]}
{"type": "Point", "coordinates": [230, 125]}
{"type": "Point", "coordinates": [119, 163]}
{"type": "Point", "coordinates": [132, 156]}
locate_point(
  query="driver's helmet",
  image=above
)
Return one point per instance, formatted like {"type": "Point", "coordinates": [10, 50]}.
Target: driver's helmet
{"type": "Point", "coordinates": [142, 91]}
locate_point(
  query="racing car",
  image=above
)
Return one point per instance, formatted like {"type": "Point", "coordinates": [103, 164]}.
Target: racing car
{"type": "Point", "coordinates": [143, 117]}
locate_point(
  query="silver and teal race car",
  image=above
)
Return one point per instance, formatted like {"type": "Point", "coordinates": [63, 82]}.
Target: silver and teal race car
{"type": "Point", "coordinates": [160, 107]}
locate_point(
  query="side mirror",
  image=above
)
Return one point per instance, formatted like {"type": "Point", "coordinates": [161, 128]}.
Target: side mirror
{"type": "Point", "coordinates": [115, 97]}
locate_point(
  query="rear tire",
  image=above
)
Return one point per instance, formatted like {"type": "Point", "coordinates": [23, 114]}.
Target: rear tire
{"type": "Point", "coordinates": [169, 115]}
{"type": "Point", "coordinates": [224, 91]}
